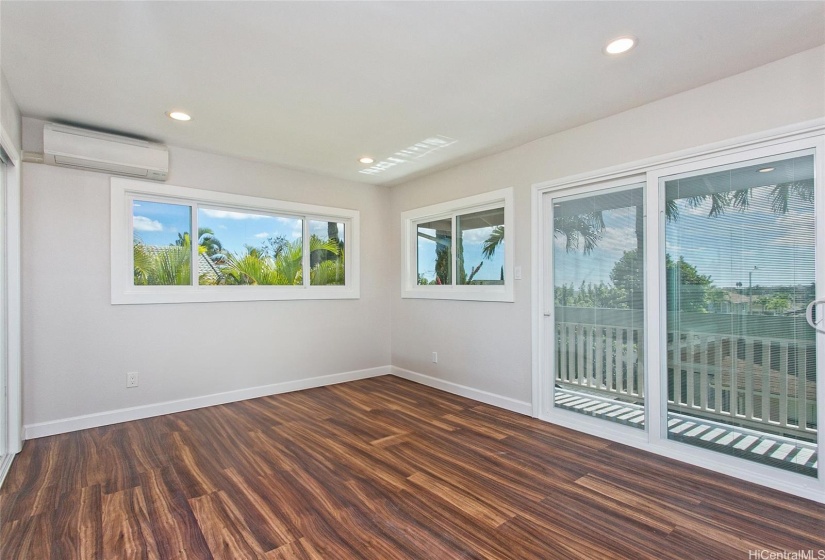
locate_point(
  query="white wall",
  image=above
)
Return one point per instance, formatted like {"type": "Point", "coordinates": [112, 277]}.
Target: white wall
{"type": "Point", "coordinates": [487, 346]}
{"type": "Point", "coordinates": [9, 113]}
{"type": "Point", "coordinates": [78, 347]}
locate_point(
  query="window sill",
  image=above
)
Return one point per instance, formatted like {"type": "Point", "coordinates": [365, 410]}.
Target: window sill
{"type": "Point", "coordinates": [210, 294]}
{"type": "Point", "coordinates": [478, 293]}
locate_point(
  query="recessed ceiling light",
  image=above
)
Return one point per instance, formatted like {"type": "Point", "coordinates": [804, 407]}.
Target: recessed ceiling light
{"type": "Point", "coordinates": [766, 169]}
{"type": "Point", "coordinates": [178, 116]}
{"type": "Point", "coordinates": [620, 45]}
{"type": "Point", "coordinates": [366, 160]}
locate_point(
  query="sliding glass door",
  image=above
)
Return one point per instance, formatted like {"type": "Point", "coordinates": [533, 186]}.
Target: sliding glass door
{"type": "Point", "coordinates": [598, 293]}
{"type": "Point", "coordinates": [740, 271]}
{"type": "Point", "coordinates": [673, 309]}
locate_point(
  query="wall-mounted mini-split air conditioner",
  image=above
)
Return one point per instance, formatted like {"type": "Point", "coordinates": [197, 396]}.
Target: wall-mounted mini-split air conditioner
{"type": "Point", "coordinates": [69, 146]}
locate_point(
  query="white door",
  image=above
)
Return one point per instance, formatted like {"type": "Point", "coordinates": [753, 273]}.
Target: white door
{"type": "Point", "coordinates": [596, 284]}
{"type": "Point", "coordinates": [741, 269]}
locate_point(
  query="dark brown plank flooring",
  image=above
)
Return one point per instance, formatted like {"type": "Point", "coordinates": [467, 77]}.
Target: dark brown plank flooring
{"type": "Point", "coordinates": [381, 468]}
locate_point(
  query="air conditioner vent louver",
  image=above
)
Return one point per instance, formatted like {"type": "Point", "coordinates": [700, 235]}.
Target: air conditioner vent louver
{"type": "Point", "coordinates": [86, 149]}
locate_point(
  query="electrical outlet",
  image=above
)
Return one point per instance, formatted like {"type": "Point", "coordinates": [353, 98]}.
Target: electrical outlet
{"type": "Point", "coordinates": [132, 379]}
{"type": "Point", "coordinates": [435, 357]}
{"type": "Point", "coordinates": [517, 273]}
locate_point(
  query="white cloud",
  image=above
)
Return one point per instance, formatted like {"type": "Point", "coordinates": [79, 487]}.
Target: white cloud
{"type": "Point", "coordinates": [476, 235]}
{"type": "Point", "coordinates": [229, 215]}
{"type": "Point", "coordinates": [295, 225]}
{"type": "Point", "coordinates": [142, 223]}
{"type": "Point", "coordinates": [795, 239]}
{"type": "Point", "coordinates": [262, 235]}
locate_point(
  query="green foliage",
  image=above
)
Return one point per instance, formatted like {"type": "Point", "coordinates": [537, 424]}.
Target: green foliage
{"type": "Point", "coordinates": [777, 304]}
{"type": "Point", "coordinates": [143, 262]}
{"type": "Point", "coordinates": [166, 266]}
{"type": "Point", "coordinates": [278, 264]}
{"type": "Point", "coordinates": [591, 295]}
{"type": "Point", "coordinates": [694, 290]}
{"type": "Point", "coordinates": [687, 290]}
{"type": "Point", "coordinates": [490, 245]}
{"type": "Point", "coordinates": [273, 246]}
{"type": "Point", "coordinates": [627, 276]}
{"type": "Point", "coordinates": [207, 242]}
{"type": "Point", "coordinates": [256, 267]}
{"type": "Point", "coordinates": [327, 273]}
{"type": "Point", "coordinates": [443, 259]}
{"type": "Point", "coordinates": [716, 297]}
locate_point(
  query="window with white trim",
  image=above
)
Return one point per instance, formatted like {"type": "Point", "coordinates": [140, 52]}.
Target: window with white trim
{"type": "Point", "coordinates": [177, 244]}
{"type": "Point", "coordinates": [462, 249]}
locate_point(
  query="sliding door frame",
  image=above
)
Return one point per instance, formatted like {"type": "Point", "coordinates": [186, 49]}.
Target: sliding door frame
{"type": "Point", "coordinates": [654, 438]}
{"type": "Point", "coordinates": [547, 325]}
{"type": "Point", "coordinates": [11, 295]}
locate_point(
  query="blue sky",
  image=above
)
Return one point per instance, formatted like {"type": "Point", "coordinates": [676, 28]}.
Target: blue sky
{"type": "Point", "coordinates": [473, 243]}
{"type": "Point", "coordinates": [726, 247]}
{"type": "Point", "coordinates": [237, 229]}
{"type": "Point", "coordinates": [618, 236]}
{"type": "Point", "coordinates": [160, 224]}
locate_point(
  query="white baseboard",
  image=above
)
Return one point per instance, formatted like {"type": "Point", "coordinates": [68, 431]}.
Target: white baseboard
{"type": "Point", "coordinates": [507, 403]}
{"type": "Point", "coordinates": [5, 465]}
{"type": "Point", "coordinates": [75, 423]}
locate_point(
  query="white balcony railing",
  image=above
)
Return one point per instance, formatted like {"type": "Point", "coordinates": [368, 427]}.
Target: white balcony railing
{"type": "Point", "coordinates": [601, 359]}
{"type": "Point", "coordinates": [760, 382]}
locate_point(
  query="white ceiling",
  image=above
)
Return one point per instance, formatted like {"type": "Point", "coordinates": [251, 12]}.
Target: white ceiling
{"type": "Point", "coordinates": [315, 86]}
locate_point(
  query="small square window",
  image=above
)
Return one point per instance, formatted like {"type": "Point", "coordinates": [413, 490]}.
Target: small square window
{"type": "Point", "coordinates": [457, 250]}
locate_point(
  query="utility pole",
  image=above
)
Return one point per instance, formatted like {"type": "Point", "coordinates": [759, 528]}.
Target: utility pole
{"type": "Point", "coordinates": [750, 290]}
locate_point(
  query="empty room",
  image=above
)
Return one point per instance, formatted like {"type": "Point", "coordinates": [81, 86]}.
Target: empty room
{"type": "Point", "coordinates": [413, 280]}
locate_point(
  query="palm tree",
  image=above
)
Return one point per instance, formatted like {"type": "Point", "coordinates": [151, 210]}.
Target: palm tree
{"type": "Point", "coordinates": [328, 272]}
{"type": "Point", "coordinates": [588, 227]}
{"type": "Point", "coordinates": [256, 268]}
{"type": "Point", "coordinates": [583, 229]}
{"type": "Point", "coordinates": [162, 266]}
{"type": "Point", "coordinates": [491, 243]}
{"type": "Point", "coordinates": [208, 243]}
{"type": "Point", "coordinates": [781, 195]}
{"type": "Point", "coordinates": [142, 262]}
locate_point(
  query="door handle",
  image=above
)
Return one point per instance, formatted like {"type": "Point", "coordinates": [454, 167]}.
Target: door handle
{"type": "Point", "coordinates": [809, 316]}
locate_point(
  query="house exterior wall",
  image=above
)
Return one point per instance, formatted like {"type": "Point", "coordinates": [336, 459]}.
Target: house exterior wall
{"type": "Point", "coordinates": [78, 347]}
{"type": "Point", "coordinates": [487, 346]}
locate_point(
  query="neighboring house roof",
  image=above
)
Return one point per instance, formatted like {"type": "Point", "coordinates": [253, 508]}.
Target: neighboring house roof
{"type": "Point", "coordinates": [734, 297]}
{"type": "Point", "coordinates": [206, 268]}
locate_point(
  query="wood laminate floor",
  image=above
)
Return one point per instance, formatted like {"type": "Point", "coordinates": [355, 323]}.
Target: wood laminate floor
{"type": "Point", "coordinates": [381, 468]}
